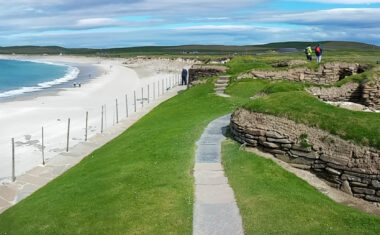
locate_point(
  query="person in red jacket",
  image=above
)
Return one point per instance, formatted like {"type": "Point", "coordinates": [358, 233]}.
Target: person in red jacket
{"type": "Point", "coordinates": [318, 52]}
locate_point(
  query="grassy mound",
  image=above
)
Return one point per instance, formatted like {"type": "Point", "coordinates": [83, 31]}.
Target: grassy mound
{"type": "Point", "coordinates": [287, 99]}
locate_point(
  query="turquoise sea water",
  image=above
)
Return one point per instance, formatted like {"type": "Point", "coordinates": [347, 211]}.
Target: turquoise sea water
{"type": "Point", "coordinates": [20, 77]}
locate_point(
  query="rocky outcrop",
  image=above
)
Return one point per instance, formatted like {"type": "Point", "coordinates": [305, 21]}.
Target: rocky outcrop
{"type": "Point", "coordinates": [201, 71]}
{"type": "Point", "coordinates": [328, 73]}
{"type": "Point", "coordinates": [347, 166]}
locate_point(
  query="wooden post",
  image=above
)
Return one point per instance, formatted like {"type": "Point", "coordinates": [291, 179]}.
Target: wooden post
{"type": "Point", "coordinates": [134, 95]}
{"type": "Point", "coordinates": [117, 113]}
{"type": "Point", "coordinates": [148, 93]}
{"type": "Point", "coordinates": [85, 134]}
{"type": "Point", "coordinates": [142, 97]}
{"type": "Point", "coordinates": [13, 161]}
{"type": "Point", "coordinates": [68, 135]}
{"type": "Point", "coordinates": [126, 105]}
{"type": "Point", "coordinates": [101, 124]}
{"type": "Point", "coordinates": [43, 147]}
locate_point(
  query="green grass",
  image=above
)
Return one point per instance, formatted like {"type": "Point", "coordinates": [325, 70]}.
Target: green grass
{"type": "Point", "coordinates": [362, 127]}
{"type": "Point", "coordinates": [139, 183]}
{"type": "Point", "coordinates": [274, 201]}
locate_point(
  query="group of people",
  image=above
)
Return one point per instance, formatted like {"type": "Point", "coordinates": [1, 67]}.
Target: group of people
{"type": "Point", "coordinates": [318, 52]}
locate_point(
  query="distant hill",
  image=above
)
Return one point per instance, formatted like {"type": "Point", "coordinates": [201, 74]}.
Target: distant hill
{"type": "Point", "coordinates": [327, 45]}
{"type": "Point", "coordinates": [187, 49]}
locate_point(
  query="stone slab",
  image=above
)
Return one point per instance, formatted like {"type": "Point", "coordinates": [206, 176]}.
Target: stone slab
{"type": "Point", "coordinates": [218, 219]}
{"type": "Point", "coordinates": [210, 178]}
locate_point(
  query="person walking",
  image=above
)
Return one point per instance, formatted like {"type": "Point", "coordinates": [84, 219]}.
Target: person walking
{"type": "Point", "coordinates": [318, 52]}
{"type": "Point", "coordinates": [184, 76]}
{"type": "Point", "coordinates": [308, 53]}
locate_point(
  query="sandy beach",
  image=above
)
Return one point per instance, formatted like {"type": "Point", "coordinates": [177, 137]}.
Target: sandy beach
{"type": "Point", "coordinates": [23, 119]}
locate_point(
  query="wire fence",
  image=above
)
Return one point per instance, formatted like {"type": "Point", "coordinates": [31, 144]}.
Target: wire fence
{"type": "Point", "coordinates": [60, 135]}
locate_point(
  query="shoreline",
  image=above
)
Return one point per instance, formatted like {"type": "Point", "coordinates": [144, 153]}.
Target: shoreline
{"type": "Point", "coordinates": [23, 118]}
{"type": "Point", "coordinates": [86, 72]}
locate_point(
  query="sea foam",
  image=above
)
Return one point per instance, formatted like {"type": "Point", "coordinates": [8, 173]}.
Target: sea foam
{"type": "Point", "coordinates": [71, 74]}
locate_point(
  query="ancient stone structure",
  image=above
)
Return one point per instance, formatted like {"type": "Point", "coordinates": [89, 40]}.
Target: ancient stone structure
{"type": "Point", "coordinates": [345, 165]}
{"type": "Point", "coordinates": [371, 94]}
{"type": "Point", "coordinates": [288, 63]}
{"type": "Point", "coordinates": [366, 93]}
{"type": "Point", "coordinates": [328, 73]}
{"type": "Point", "coordinates": [351, 92]}
{"type": "Point", "coordinates": [201, 71]}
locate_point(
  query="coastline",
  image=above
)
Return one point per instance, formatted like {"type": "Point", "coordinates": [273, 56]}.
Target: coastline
{"type": "Point", "coordinates": [22, 118]}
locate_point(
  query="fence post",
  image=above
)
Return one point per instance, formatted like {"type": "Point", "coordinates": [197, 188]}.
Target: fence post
{"type": "Point", "coordinates": [134, 95]}
{"type": "Point", "coordinates": [85, 134]}
{"type": "Point", "coordinates": [126, 105]}
{"type": "Point", "coordinates": [148, 93]}
{"type": "Point", "coordinates": [162, 86]}
{"type": "Point", "coordinates": [117, 113]}
{"type": "Point", "coordinates": [101, 125]}
{"type": "Point", "coordinates": [43, 147]}
{"type": "Point", "coordinates": [154, 90]}
{"type": "Point", "coordinates": [13, 161]}
{"type": "Point", "coordinates": [105, 116]}
{"type": "Point", "coordinates": [68, 134]}
{"type": "Point", "coordinates": [142, 97]}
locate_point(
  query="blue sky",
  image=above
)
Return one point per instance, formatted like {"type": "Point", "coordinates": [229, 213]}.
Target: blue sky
{"type": "Point", "coordinates": [124, 23]}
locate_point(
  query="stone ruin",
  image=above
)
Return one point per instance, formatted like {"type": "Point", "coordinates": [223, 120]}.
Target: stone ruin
{"type": "Point", "coordinates": [353, 169]}
{"type": "Point", "coordinates": [365, 93]}
{"type": "Point", "coordinates": [328, 73]}
{"type": "Point", "coordinates": [198, 71]}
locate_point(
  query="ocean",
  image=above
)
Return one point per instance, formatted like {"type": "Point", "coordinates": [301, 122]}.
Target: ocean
{"type": "Point", "coordinates": [21, 77]}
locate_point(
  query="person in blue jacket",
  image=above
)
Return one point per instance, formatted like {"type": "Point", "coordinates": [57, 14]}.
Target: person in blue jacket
{"type": "Point", "coordinates": [184, 77]}
{"type": "Point", "coordinates": [318, 52]}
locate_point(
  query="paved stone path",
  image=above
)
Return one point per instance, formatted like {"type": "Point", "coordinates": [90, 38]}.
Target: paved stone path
{"type": "Point", "coordinates": [215, 208]}
{"type": "Point", "coordinates": [32, 180]}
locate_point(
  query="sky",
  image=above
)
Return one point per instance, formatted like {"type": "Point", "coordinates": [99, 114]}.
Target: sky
{"type": "Point", "coordinates": [127, 23]}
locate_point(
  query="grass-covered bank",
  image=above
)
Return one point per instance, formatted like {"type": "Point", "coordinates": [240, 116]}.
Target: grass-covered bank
{"type": "Point", "coordinates": [274, 201]}
{"type": "Point", "coordinates": [139, 183]}
{"type": "Point", "coordinates": [288, 99]}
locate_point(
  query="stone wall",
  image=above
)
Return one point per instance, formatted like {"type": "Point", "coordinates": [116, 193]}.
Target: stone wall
{"type": "Point", "coordinates": [351, 92]}
{"type": "Point", "coordinates": [353, 169]}
{"type": "Point", "coordinates": [201, 71]}
{"type": "Point", "coordinates": [328, 73]}
{"type": "Point", "coordinates": [371, 94]}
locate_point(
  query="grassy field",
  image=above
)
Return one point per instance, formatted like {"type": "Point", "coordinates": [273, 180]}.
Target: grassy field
{"type": "Point", "coordinates": [139, 183]}
{"type": "Point", "coordinates": [274, 201]}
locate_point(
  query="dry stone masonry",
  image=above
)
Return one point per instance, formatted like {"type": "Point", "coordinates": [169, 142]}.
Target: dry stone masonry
{"type": "Point", "coordinates": [328, 73]}
{"type": "Point", "coordinates": [353, 169]}
{"type": "Point", "coordinates": [350, 92]}
{"type": "Point", "coordinates": [202, 71]}
{"type": "Point", "coordinates": [371, 94]}
{"type": "Point", "coordinates": [366, 93]}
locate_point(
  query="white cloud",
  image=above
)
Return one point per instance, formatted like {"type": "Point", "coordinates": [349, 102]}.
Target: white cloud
{"type": "Point", "coordinates": [96, 22]}
{"type": "Point", "coordinates": [354, 17]}
{"type": "Point", "coordinates": [215, 27]}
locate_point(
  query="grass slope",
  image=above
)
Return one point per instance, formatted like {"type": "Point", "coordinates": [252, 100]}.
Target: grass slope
{"type": "Point", "coordinates": [288, 99]}
{"type": "Point", "coordinates": [139, 183]}
{"type": "Point", "coordinates": [274, 201]}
